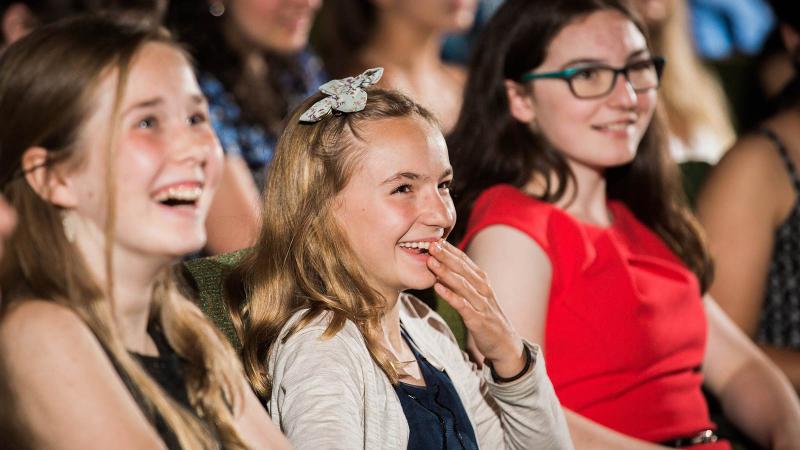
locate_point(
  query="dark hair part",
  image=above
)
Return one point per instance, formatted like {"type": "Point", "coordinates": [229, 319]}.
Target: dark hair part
{"type": "Point", "coordinates": [488, 146]}
{"type": "Point", "coordinates": [342, 29]}
{"type": "Point", "coordinates": [302, 259]}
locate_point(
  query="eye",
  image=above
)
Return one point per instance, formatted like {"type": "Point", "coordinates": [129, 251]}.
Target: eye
{"type": "Point", "coordinates": [588, 73]}
{"type": "Point", "coordinates": [402, 189]}
{"type": "Point", "coordinates": [147, 122]}
{"type": "Point", "coordinates": [641, 66]}
{"type": "Point", "coordinates": [445, 185]}
{"type": "Point", "coordinates": [197, 119]}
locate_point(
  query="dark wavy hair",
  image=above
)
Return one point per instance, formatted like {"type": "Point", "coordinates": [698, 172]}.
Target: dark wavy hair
{"type": "Point", "coordinates": [488, 146]}
{"type": "Point", "coordinates": [220, 48]}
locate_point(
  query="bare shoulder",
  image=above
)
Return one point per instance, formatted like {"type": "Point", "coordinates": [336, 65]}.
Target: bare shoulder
{"type": "Point", "coordinates": [752, 172]}
{"type": "Point", "coordinates": [501, 242]}
{"type": "Point", "coordinates": [35, 332]}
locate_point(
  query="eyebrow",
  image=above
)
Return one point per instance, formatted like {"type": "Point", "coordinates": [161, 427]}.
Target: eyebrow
{"type": "Point", "coordinates": [631, 56]}
{"type": "Point", "coordinates": [197, 99]}
{"type": "Point", "coordinates": [414, 176]}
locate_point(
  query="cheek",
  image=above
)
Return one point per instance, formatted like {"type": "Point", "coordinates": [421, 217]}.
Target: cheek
{"type": "Point", "coordinates": [646, 104]}
{"type": "Point", "coordinates": [564, 120]}
{"type": "Point", "coordinates": [138, 161]}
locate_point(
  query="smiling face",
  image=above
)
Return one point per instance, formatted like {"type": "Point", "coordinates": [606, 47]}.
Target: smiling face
{"type": "Point", "coordinates": [396, 202]}
{"type": "Point", "coordinates": [602, 132]}
{"type": "Point", "coordinates": [280, 26]}
{"type": "Point", "coordinates": [443, 15]}
{"type": "Point", "coordinates": [167, 159]}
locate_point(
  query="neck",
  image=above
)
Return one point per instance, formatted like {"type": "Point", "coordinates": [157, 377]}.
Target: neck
{"type": "Point", "coordinates": [405, 45]}
{"type": "Point", "coordinates": [585, 198]}
{"type": "Point", "coordinates": [134, 275]}
{"type": "Point", "coordinates": [391, 322]}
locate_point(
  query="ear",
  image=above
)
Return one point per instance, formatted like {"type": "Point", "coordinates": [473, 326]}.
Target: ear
{"type": "Point", "coordinates": [15, 22]}
{"type": "Point", "coordinates": [520, 102]}
{"type": "Point", "coordinates": [49, 182]}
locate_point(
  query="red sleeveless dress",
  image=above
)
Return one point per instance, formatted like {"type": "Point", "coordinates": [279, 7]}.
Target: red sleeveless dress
{"type": "Point", "coordinates": [625, 331]}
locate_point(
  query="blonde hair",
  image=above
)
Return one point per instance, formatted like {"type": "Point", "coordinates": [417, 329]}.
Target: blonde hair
{"type": "Point", "coordinates": [48, 82]}
{"type": "Point", "coordinates": [302, 259]}
{"type": "Point", "coordinates": [690, 96]}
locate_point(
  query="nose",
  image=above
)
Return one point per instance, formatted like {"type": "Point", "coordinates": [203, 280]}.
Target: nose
{"type": "Point", "coordinates": [194, 145]}
{"type": "Point", "coordinates": [623, 95]}
{"type": "Point", "coordinates": [438, 210]}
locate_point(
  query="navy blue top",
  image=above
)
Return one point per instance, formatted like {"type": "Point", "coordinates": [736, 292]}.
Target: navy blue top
{"type": "Point", "coordinates": [436, 417]}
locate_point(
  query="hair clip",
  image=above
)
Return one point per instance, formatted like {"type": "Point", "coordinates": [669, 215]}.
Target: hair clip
{"type": "Point", "coordinates": [345, 95]}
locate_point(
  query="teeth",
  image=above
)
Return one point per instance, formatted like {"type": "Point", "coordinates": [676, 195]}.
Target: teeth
{"type": "Point", "coordinates": [424, 245]}
{"type": "Point", "coordinates": [616, 126]}
{"type": "Point", "coordinates": [188, 194]}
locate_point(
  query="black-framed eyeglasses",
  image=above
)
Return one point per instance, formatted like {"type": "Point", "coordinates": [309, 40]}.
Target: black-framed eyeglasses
{"type": "Point", "coordinates": [594, 81]}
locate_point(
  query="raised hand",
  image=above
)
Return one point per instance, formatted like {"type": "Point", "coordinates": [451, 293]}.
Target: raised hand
{"type": "Point", "coordinates": [462, 284]}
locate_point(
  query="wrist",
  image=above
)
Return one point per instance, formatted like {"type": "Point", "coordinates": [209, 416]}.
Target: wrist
{"type": "Point", "coordinates": [512, 370]}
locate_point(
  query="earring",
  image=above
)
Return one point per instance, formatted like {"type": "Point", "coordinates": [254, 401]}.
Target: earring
{"type": "Point", "coordinates": [69, 225]}
{"type": "Point", "coordinates": [216, 8]}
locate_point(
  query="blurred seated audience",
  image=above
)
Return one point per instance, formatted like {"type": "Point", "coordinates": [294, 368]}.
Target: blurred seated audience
{"type": "Point", "coordinates": [405, 37]}
{"type": "Point", "coordinates": [19, 17]}
{"type": "Point", "coordinates": [253, 66]}
{"type": "Point", "coordinates": [750, 207]}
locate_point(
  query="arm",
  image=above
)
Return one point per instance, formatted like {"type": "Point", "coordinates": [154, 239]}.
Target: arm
{"type": "Point", "coordinates": [754, 394]}
{"type": "Point", "coordinates": [522, 413]}
{"type": "Point", "coordinates": [318, 392]}
{"type": "Point", "coordinates": [744, 201]}
{"type": "Point", "coordinates": [235, 215]}
{"type": "Point", "coordinates": [255, 425]}
{"type": "Point", "coordinates": [521, 272]}
{"type": "Point", "coordinates": [66, 391]}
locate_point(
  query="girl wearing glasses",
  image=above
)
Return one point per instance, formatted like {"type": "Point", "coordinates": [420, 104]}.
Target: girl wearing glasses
{"type": "Point", "coordinates": [575, 213]}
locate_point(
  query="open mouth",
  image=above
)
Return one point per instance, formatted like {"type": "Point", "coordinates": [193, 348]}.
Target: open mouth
{"type": "Point", "coordinates": [177, 196]}
{"type": "Point", "coordinates": [420, 247]}
{"type": "Point", "coordinates": [616, 126]}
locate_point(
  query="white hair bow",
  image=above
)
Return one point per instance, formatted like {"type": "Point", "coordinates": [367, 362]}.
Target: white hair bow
{"type": "Point", "coordinates": [345, 95]}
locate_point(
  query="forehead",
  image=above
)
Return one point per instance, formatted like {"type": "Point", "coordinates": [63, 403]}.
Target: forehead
{"type": "Point", "coordinates": [402, 144]}
{"type": "Point", "coordinates": [603, 35]}
{"type": "Point", "coordinates": [157, 69]}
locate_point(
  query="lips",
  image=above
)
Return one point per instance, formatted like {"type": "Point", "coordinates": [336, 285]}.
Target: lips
{"type": "Point", "coordinates": [185, 193]}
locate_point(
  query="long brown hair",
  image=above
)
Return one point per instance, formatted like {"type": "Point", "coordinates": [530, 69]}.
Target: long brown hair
{"type": "Point", "coordinates": [48, 82]}
{"type": "Point", "coordinates": [691, 97]}
{"type": "Point", "coordinates": [488, 146]}
{"type": "Point", "coordinates": [302, 259]}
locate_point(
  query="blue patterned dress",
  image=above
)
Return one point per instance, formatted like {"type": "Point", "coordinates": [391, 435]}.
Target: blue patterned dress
{"type": "Point", "coordinates": [249, 140]}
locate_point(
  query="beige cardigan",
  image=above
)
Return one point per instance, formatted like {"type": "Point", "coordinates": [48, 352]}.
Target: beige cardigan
{"type": "Point", "coordinates": [330, 394]}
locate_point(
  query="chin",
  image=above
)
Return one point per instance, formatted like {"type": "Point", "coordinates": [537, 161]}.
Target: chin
{"type": "Point", "coordinates": [420, 282]}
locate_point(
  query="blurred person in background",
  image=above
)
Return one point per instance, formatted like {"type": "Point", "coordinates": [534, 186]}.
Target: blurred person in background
{"type": "Point", "coordinates": [19, 17]}
{"type": "Point", "coordinates": [405, 37]}
{"type": "Point", "coordinates": [750, 207]}
{"type": "Point", "coordinates": [694, 105]}
{"type": "Point", "coordinates": [253, 66]}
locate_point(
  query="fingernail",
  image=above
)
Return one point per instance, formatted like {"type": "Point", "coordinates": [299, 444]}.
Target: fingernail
{"type": "Point", "coordinates": [437, 246]}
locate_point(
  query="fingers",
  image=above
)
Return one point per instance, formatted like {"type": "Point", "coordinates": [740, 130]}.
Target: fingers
{"type": "Point", "coordinates": [463, 307]}
{"type": "Point", "coordinates": [452, 259]}
{"type": "Point", "coordinates": [447, 260]}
